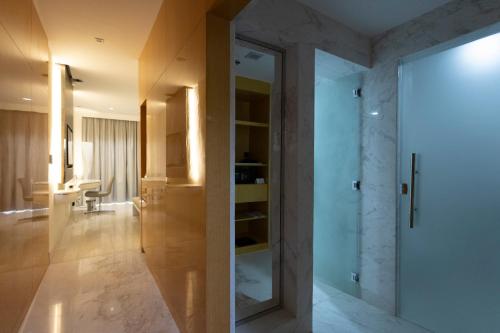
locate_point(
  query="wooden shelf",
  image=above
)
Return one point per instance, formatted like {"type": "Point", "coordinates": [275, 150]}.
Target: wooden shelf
{"type": "Point", "coordinates": [251, 164]}
{"type": "Point", "coordinates": [250, 216]}
{"type": "Point", "coordinates": [251, 193]}
{"type": "Point", "coordinates": [251, 248]}
{"type": "Point", "coordinates": [251, 123]}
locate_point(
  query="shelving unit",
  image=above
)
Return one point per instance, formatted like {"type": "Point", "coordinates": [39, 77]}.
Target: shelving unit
{"type": "Point", "coordinates": [252, 162]}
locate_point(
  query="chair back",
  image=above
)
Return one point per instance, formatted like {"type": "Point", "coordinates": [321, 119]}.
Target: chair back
{"type": "Point", "coordinates": [110, 185]}
{"type": "Point", "coordinates": [25, 188]}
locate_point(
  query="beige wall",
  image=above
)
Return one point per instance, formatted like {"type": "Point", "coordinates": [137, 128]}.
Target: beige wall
{"type": "Point", "coordinates": [24, 56]}
{"type": "Point", "coordinates": [189, 46]}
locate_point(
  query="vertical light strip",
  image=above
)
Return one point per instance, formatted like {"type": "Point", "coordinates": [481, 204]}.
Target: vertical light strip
{"type": "Point", "coordinates": [55, 168]}
{"type": "Point", "coordinates": [194, 135]}
{"type": "Point", "coordinates": [57, 318]}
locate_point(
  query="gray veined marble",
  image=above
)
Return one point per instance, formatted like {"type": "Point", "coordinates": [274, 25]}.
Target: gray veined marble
{"type": "Point", "coordinates": [299, 30]}
{"type": "Point", "coordinates": [379, 138]}
{"type": "Point", "coordinates": [101, 282]}
{"type": "Point", "coordinates": [114, 293]}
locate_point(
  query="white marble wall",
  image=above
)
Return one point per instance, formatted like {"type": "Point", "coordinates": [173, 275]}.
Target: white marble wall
{"type": "Point", "coordinates": [299, 32]}
{"type": "Point", "coordinates": [379, 142]}
{"type": "Point", "coordinates": [286, 23]}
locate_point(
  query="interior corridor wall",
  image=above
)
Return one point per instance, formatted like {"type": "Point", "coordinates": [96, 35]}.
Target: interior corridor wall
{"type": "Point", "coordinates": [379, 135]}
{"type": "Point", "coordinates": [299, 33]}
{"type": "Point", "coordinates": [186, 225]}
{"type": "Point", "coordinates": [263, 21]}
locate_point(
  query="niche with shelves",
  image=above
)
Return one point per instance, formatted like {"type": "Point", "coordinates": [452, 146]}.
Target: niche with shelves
{"type": "Point", "coordinates": [252, 165]}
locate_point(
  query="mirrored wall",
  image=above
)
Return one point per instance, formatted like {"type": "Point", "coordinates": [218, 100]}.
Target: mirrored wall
{"type": "Point", "coordinates": [257, 171]}
{"type": "Point", "coordinates": [24, 96]}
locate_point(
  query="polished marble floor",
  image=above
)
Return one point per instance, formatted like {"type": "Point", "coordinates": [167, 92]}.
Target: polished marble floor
{"type": "Point", "coordinates": [101, 282]}
{"type": "Point", "coordinates": [335, 311]}
{"type": "Point", "coordinates": [254, 282]}
{"type": "Point", "coordinates": [89, 235]}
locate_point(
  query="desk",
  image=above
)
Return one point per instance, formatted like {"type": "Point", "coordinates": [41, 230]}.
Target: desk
{"type": "Point", "coordinates": [81, 186]}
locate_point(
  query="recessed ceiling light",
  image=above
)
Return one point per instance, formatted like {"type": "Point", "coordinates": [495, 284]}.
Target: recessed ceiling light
{"type": "Point", "coordinates": [27, 99]}
{"type": "Point", "coordinates": [99, 40]}
{"type": "Point", "coordinates": [111, 108]}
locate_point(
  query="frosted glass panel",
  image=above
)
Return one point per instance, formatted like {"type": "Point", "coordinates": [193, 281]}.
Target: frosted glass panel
{"type": "Point", "coordinates": [336, 165]}
{"type": "Point", "coordinates": [450, 117]}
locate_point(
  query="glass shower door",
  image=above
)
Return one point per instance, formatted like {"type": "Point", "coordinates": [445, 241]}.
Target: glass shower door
{"type": "Point", "coordinates": [450, 176]}
{"type": "Point", "coordinates": [336, 171]}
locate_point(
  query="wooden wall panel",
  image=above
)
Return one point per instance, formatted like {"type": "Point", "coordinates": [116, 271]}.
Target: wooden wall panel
{"type": "Point", "coordinates": [175, 24]}
{"type": "Point", "coordinates": [176, 56]}
{"type": "Point", "coordinates": [24, 236]}
{"type": "Point", "coordinates": [220, 230]}
{"type": "Point", "coordinates": [15, 16]}
{"type": "Point", "coordinates": [39, 63]}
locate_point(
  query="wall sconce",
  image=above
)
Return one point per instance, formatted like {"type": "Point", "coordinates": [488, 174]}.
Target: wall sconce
{"type": "Point", "coordinates": [55, 167]}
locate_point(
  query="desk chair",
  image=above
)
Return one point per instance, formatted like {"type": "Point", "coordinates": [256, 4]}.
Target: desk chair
{"type": "Point", "coordinates": [101, 194]}
{"type": "Point", "coordinates": [28, 196]}
{"type": "Point", "coordinates": [25, 189]}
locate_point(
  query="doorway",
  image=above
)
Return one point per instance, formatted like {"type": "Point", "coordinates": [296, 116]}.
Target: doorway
{"type": "Point", "coordinates": [450, 188]}
{"type": "Point", "coordinates": [257, 177]}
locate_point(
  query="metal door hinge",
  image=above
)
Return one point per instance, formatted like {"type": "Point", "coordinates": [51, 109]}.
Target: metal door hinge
{"type": "Point", "coordinates": [356, 185]}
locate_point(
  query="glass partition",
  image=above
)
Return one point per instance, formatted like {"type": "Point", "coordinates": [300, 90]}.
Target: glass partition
{"type": "Point", "coordinates": [24, 240]}
{"type": "Point", "coordinates": [338, 112]}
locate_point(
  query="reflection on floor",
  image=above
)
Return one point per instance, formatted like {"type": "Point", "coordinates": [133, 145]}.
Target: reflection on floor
{"type": "Point", "coordinates": [253, 278]}
{"type": "Point", "coordinates": [101, 285]}
{"type": "Point", "coordinates": [89, 235]}
{"type": "Point", "coordinates": [335, 311]}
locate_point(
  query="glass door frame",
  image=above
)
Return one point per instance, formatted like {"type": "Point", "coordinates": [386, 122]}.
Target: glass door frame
{"type": "Point", "coordinates": [455, 42]}
{"type": "Point", "coordinates": [276, 167]}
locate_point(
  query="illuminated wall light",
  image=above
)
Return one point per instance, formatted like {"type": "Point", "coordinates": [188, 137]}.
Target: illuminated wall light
{"type": "Point", "coordinates": [191, 280]}
{"type": "Point", "coordinates": [194, 140]}
{"type": "Point", "coordinates": [57, 318]}
{"type": "Point", "coordinates": [55, 168]}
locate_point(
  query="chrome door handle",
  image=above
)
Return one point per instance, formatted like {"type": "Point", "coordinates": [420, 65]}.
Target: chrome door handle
{"type": "Point", "coordinates": [412, 189]}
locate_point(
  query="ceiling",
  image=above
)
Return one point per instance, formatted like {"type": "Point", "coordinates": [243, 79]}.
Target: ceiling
{"type": "Point", "coordinates": [109, 70]}
{"type": "Point", "coordinates": [372, 17]}
{"type": "Point", "coordinates": [329, 66]}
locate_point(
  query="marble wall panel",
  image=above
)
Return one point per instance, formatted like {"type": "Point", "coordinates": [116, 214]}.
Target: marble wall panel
{"type": "Point", "coordinates": [379, 135]}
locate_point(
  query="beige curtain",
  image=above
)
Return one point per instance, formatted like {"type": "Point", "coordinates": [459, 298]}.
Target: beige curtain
{"type": "Point", "coordinates": [114, 153]}
{"type": "Point", "coordinates": [24, 151]}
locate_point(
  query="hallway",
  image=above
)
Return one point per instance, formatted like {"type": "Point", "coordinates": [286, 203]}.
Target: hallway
{"type": "Point", "coordinates": [100, 282]}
